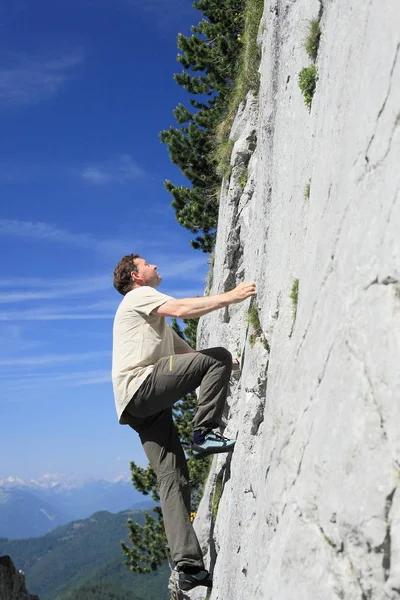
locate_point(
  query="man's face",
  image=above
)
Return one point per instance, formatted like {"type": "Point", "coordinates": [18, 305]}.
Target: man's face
{"type": "Point", "coordinates": [147, 274]}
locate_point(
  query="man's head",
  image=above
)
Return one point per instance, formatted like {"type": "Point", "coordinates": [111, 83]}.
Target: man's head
{"type": "Point", "coordinates": [132, 272]}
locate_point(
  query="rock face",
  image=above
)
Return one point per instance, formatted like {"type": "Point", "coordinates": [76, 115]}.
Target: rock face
{"type": "Point", "coordinates": [310, 507]}
{"type": "Point", "coordinates": [12, 582]}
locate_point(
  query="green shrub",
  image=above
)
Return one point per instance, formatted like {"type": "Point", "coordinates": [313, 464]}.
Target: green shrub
{"type": "Point", "coordinates": [307, 82]}
{"type": "Point", "coordinates": [311, 43]}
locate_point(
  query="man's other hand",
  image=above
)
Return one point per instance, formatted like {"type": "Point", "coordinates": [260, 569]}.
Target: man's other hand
{"type": "Point", "coordinates": [235, 364]}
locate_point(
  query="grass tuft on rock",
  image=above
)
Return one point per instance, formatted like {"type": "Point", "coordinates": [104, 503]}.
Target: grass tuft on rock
{"type": "Point", "coordinates": [307, 189]}
{"type": "Point", "coordinates": [247, 76]}
{"type": "Point", "coordinates": [217, 496]}
{"type": "Point", "coordinates": [244, 177]}
{"type": "Point", "coordinates": [266, 344]}
{"type": "Point", "coordinates": [311, 43]}
{"type": "Point", "coordinates": [223, 153]}
{"type": "Point", "coordinates": [294, 295]}
{"type": "Point", "coordinates": [254, 322]}
{"type": "Point", "coordinates": [307, 82]}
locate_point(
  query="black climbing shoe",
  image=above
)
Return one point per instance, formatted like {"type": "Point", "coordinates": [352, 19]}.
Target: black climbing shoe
{"type": "Point", "coordinates": [213, 443]}
{"type": "Point", "coordinates": [188, 581]}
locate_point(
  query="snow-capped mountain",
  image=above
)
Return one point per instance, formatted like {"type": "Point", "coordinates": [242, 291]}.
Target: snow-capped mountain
{"type": "Point", "coordinates": [58, 480]}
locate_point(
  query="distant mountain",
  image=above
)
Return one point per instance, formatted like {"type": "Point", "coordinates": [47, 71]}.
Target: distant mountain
{"type": "Point", "coordinates": [70, 498]}
{"type": "Point", "coordinates": [23, 515]}
{"type": "Point", "coordinates": [84, 553]}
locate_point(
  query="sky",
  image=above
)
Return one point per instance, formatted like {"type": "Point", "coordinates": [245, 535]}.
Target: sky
{"type": "Point", "coordinates": [85, 88]}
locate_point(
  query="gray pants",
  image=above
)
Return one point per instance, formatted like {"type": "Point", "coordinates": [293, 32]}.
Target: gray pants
{"type": "Point", "coordinates": [150, 414]}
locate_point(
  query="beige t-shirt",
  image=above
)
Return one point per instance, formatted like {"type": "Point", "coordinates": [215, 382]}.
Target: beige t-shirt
{"type": "Point", "coordinates": [140, 339]}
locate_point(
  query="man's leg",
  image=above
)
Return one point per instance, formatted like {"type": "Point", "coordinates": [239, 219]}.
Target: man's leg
{"type": "Point", "coordinates": [150, 413]}
{"type": "Point", "coordinates": [164, 451]}
{"type": "Point", "coordinates": [179, 374]}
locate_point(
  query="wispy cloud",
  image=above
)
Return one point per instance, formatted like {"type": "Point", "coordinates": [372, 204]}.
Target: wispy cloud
{"type": "Point", "coordinates": [118, 170]}
{"type": "Point", "coordinates": [27, 81]}
{"type": "Point", "coordinates": [48, 232]}
{"type": "Point", "coordinates": [60, 289]}
{"type": "Point", "coordinates": [52, 283]}
{"type": "Point", "coordinates": [31, 315]}
{"type": "Point", "coordinates": [52, 359]}
{"type": "Point", "coordinates": [46, 383]}
{"type": "Point", "coordinates": [44, 231]}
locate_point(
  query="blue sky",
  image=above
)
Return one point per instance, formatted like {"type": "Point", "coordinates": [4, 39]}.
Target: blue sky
{"type": "Point", "coordinates": [85, 89]}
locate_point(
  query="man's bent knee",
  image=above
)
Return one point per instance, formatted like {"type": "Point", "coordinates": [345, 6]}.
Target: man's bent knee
{"type": "Point", "coordinates": [223, 354]}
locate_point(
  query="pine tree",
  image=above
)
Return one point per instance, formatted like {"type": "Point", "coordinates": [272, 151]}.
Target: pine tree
{"type": "Point", "coordinates": [211, 51]}
{"type": "Point", "coordinates": [149, 545]}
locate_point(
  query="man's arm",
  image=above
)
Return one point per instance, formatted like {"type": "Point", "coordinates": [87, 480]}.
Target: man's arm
{"type": "Point", "coordinates": [192, 308]}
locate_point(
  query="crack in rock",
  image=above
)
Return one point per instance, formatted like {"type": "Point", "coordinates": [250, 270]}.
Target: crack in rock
{"type": "Point", "coordinates": [371, 389]}
{"type": "Point", "coordinates": [320, 378]}
{"type": "Point", "coordinates": [260, 391]}
{"type": "Point", "coordinates": [325, 279]}
{"type": "Point", "coordinates": [249, 193]}
{"type": "Point", "coordinates": [338, 548]}
{"type": "Point", "coordinates": [321, 10]}
{"type": "Point", "coordinates": [388, 280]}
{"type": "Point", "coordinates": [383, 107]}
{"type": "Point", "coordinates": [243, 156]}
{"type": "Point", "coordinates": [385, 547]}
{"type": "Point", "coordinates": [250, 490]}
{"type": "Point", "coordinates": [257, 419]}
{"type": "Point", "coordinates": [364, 595]}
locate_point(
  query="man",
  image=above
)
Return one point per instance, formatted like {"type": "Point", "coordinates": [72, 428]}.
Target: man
{"type": "Point", "coordinates": [152, 369]}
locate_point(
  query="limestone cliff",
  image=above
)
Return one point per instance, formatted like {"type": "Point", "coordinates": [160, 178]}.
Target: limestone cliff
{"type": "Point", "coordinates": [310, 505]}
{"type": "Point", "coordinates": [12, 582]}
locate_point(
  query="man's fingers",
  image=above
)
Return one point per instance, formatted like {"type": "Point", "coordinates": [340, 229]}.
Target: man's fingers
{"type": "Point", "coordinates": [244, 290]}
{"type": "Point", "coordinates": [251, 289]}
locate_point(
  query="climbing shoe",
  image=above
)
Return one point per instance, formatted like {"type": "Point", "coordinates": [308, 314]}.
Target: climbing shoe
{"type": "Point", "coordinates": [210, 442]}
{"type": "Point", "coordinates": [188, 581]}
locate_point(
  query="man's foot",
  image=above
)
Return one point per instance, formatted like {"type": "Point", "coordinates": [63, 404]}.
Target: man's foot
{"type": "Point", "coordinates": [210, 442]}
{"type": "Point", "coordinates": [188, 581]}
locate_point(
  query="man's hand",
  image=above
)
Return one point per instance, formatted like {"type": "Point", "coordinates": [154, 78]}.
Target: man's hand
{"type": "Point", "coordinates": [242, 292]}
{"type": "Point", "coordinates": [235, 364]}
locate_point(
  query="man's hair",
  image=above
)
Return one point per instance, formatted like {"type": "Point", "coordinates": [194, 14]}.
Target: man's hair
{"type": "Point", "coordinates": [122, 273]}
